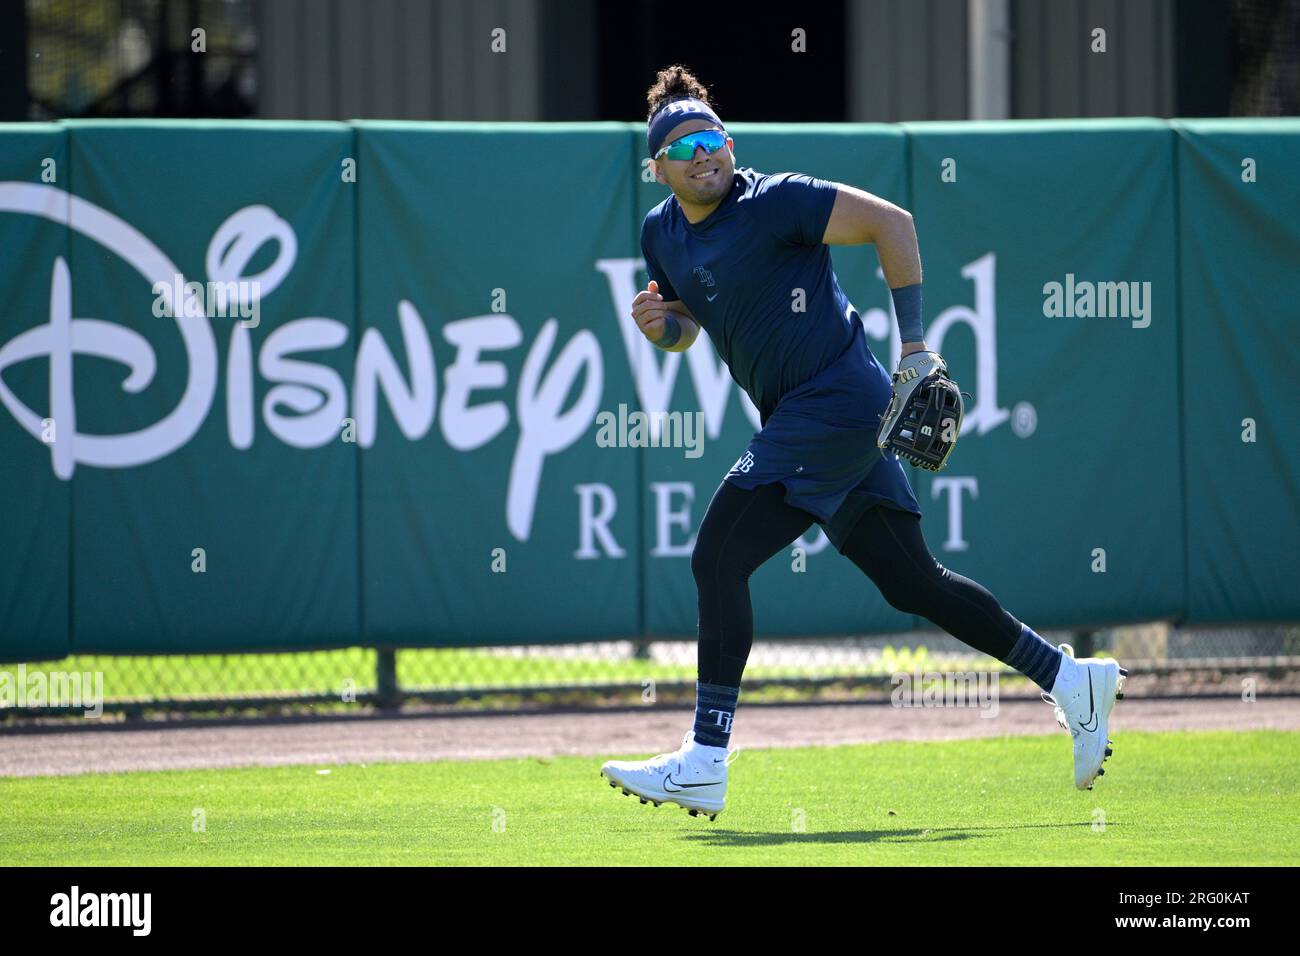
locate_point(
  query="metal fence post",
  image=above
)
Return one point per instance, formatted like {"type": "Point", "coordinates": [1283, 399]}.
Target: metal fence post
{"type": "Point", "coordinates": [386, 687]}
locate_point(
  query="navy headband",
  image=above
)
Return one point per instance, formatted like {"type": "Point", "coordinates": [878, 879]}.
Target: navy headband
{"type": "Point", "coordinates": [673, 113]}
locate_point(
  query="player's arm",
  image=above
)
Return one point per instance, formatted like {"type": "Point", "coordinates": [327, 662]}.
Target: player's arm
{"type": "Point", "coordinates": [859, 217]}
{"type": "Point", "coordinates": [658, 319]}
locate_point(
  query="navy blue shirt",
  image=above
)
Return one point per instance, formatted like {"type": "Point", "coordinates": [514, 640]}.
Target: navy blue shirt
{"type": "Point", "coordinates": [737, 270]}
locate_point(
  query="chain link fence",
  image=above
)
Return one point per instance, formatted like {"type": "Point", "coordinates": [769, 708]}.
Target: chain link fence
{"type": "Point", "coordinates": [1163, 661]}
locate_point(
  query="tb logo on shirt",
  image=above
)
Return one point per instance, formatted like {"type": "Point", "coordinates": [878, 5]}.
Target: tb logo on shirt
{"type": "Point", "coordinates": [706, 280]}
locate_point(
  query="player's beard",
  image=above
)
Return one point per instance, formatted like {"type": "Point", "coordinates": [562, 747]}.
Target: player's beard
{"type": "Point", "coordinates": [711, 191]}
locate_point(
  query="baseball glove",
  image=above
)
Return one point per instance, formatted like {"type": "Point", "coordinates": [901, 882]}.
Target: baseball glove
{"type": "Point", "coordinates": [923, 419]}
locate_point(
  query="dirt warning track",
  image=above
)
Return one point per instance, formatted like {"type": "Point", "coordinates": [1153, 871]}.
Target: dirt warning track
{"type": "Point", "coordinates": [632, 732]}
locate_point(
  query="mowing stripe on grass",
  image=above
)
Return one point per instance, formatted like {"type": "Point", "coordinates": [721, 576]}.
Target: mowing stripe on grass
{"type": "Point", "coordinates": [1167, 799]}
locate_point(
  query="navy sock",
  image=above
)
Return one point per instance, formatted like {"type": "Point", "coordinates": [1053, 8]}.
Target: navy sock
{"type": "Point", "coordinates": [1035, 658]}
{"type": "Point", "coordinates": [715, 705]}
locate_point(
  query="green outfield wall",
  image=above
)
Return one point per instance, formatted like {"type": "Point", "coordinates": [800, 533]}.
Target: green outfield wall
{"type": "Point", "coordinates": [397, 441]}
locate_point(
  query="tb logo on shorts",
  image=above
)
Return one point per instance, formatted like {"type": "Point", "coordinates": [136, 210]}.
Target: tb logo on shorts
{"type": "Point", "coordinates": [744, 463]}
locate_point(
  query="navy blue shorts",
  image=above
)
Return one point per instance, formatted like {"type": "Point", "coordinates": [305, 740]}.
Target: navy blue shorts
{"type": "Point", "coordinates": [820, 442]}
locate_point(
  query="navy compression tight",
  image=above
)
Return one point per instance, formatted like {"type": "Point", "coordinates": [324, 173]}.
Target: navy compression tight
{"type": "Point", "coordinates": [742, 529]}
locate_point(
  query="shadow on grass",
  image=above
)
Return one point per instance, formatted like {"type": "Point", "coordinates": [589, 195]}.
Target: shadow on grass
{"type": "Point", "coordinates": [736, 838]}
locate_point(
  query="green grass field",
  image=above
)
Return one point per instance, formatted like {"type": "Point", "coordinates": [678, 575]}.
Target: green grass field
{"type": "Point", "coordinates": [1168, 799]}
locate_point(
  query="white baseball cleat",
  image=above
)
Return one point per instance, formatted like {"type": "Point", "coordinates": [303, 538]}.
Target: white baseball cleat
{"type": "Point", "coordinates": [1084, 693]}
{"type": "Point", "coordinates": [694, 777]}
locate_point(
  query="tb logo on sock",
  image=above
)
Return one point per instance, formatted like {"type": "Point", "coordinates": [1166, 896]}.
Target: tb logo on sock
{"type": "Point", "coordinates": [723, 720]}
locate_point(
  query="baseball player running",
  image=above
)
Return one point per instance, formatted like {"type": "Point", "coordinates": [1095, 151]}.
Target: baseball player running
{"type": "Point", "coordinates": [725, 253]}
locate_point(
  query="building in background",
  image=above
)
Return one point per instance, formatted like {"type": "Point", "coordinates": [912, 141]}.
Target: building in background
{"type": "Point", "coordinates": [123, 58]}
{"type": "Point", "coordinates": [835, 60]}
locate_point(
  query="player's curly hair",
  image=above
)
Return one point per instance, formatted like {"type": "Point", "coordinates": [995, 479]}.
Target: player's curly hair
{"type": "Point", "coordinates": [674, 82]}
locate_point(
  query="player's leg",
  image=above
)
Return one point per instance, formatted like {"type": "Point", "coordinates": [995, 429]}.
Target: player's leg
{"type": "Point", "coordinates": [740, 531]}
{"type": "Point", "coordinates": [888, 546]}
